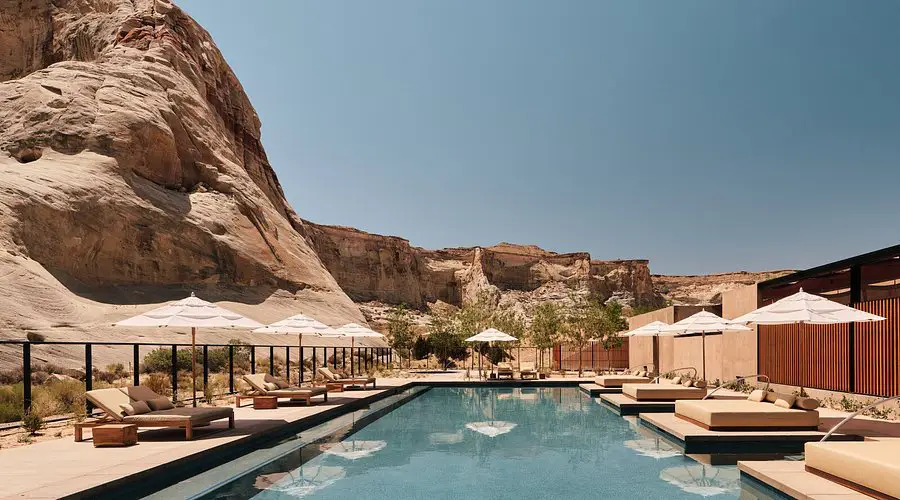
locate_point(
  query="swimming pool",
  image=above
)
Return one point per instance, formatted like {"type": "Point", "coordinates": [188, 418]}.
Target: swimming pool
{"type": "Point", "coordinates": [498, 443]}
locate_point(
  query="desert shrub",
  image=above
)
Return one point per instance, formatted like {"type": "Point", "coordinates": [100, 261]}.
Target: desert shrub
{"type": "Point", "coordinates": [38, 378]}
{"type": "Point", "coordinates": [32, 422]}
{"type": "Point", "coordinates": [9, 377]}
{"type": "Point", "coordinates": [160, 360]}
{"type": "Point", "coordinates": [11, 397]}
{"type": "Point", "coordinates": [160, 383]}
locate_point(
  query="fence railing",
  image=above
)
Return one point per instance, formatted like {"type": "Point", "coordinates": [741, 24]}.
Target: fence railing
{"type": "Point", "coordinates": [368, 356]}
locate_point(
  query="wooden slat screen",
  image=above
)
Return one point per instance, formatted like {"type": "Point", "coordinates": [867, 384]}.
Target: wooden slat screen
{"type": "Point", "coordinates": [566, 358]}
{"type": "Point", "coordinates": [818, 356]}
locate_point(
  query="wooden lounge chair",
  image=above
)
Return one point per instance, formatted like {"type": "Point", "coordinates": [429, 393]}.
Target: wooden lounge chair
{"type": "Point", "coordinates": [870, 467]}
{"type": "Point", "coordinates": [526, 369]}
{"type": "Point", "coordinates": [504, 370]}
{"type": "Point", "coordinates": [112, 402]}
{"type": "Point", "coordinates": [264, 384]}
{"type": "Point", "coordinates": [333, 378]}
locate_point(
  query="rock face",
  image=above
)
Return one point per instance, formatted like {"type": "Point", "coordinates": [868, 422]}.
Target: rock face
{"type": "Point", "coordinates": [697, 290]}
{"type": "Point", "coordinates": [387, 269]}
{"type": "Point", "coordinates": [132, 170]}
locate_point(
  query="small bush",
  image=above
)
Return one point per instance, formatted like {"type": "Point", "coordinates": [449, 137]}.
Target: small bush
{"type": "Point", "coordinates": [32, 422]}
{"type": "Point", "coordinates": [159, 383]}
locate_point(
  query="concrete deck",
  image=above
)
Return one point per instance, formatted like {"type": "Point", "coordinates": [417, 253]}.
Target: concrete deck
{"type": "Point", "coordinates": [789, 477]}
{"type": "Point", "coordinates": [696, 439]}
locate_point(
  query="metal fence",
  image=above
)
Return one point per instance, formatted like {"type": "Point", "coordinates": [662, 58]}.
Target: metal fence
{"type": "Point", "coordinates": [370, 357]}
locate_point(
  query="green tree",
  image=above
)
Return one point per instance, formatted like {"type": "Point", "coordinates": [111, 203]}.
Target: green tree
{"type": "Point", "coordinates": [580, 328]}
{"type": "Point", "coordinates": [400, 333]}
{"type": "Point", "coordinates": [612, 322]}
{"type": "Point", "coordinates": [546, 323]}
{"type": "Point", "coordinates": [444, 339]}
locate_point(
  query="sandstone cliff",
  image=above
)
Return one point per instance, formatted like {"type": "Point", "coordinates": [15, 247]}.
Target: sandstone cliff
{"type": "Point", "coordinates": [131, 171]}
{"type": "Point", "coordinates": [387, 269]}
{"type": "Point", "coordinates": [706, 289]}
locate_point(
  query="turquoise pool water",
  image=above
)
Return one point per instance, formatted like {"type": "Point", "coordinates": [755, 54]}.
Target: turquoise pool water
{"type": "Point", "coordinates": [497, 443]}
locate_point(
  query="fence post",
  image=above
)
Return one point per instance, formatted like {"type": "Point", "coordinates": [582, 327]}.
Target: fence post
{"type": "Point", "coordinates": [334, 357]}
{"type": "Point", "coordinates": [88, 374]}
{"type": "Point", "coordinates": [230, 368]}
{"type": "Point", "coordinates": [205, 370]}
{"type": "Point", "coordinates": [344, 358]}
{"type": "Point", "coordinates": [324, 357]}
{"type": "Point", "coordinates": [272, 360]}
{"type": "Point", "coordinates": [252, 360]}
{"type": "Point", "coordinates": [26, 376]}
{"type": "Point", "coordinates": [174, 373]}
{"type": "Point", "coordinates": [287, 364]}
{"type": "Point", "coordinates": [301, 364]}
{"type": "Point", "coordinates": [137, 365]}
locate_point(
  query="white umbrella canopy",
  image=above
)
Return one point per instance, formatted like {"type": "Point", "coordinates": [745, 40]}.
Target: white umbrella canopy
{"type": "Point", "coordinates": [649, 330]}
{"type": "Point", "coordinates": [192, 312]}
{"type": "Point", "coordinates": [353, 450]}
{"type": "Point", "coordinates": [492, 335]}
{"type": "Point", "coordinates": [354, 331]}
{"type": "Point", "coordinates": [300, 325]}
{"type": "Point", "coordinates": [703, 322]}
{"type": "Point", "coordinates": [703, 480]}
{"type": "Point", "coordinates": [803, 307]}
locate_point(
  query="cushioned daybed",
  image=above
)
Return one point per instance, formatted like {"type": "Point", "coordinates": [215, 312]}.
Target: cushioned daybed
{"type": "Point", "coordinates": [266, 385]}
{"type": "Point", "coordinates": [661, 392]}
{"type": "Point", "coordinates": [123, 405]}
{"type": "Point", "coordinates": [618, 380]}
{"type": "Point", "coordinates": [871, 467]}
{"type": "Point", "coordinates": [742, 414]}
{"type": "Point", "coordinates": [333, 378]}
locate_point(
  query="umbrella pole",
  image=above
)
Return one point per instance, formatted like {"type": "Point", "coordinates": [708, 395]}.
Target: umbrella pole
{"type": "Point", "coordinates": [299, 368]}
{"type": "Point", "coordinates": [352, 345]}
{"type": "Point", "coordinates": [703, 337]}
{"type": "Point", "coordinates": [193, 365]}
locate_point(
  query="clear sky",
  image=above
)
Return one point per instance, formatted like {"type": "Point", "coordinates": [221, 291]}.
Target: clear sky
{"type": "Point", "coordinates": [706, 136]}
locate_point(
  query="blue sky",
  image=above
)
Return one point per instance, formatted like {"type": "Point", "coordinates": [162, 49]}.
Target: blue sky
{"type": "Point", "coordinates": [707, 136]}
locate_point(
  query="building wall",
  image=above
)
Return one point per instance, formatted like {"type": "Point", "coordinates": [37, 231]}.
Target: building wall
{"type": "Point", "coordinates": [640, 349]}
{"type": "Point", "coordinates": [739, 353]}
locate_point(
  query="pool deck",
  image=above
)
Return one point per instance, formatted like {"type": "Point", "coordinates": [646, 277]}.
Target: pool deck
{"type": "Point", "coordinates": [63, 468]}
{"type": "Point", "coordinates": [696, 439]}
{"type": "Point", "coordinates": [789, 476]}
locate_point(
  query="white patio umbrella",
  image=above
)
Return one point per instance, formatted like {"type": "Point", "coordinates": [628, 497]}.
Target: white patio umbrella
{"type": "Point", "coordinates": [192, 313]}
{"type": "Point", "coordinates": [492, 428]}
{"type": "Point", "coordinates": [803, 307]}
{"type": "Point", "coordinates": [703, 322]}
{"type": "Point", "coordinates": [703, 480]}
{"type": "Point", "coordinates": [653, 329]}
{"type": "Point", "coordinates": [300, 325]}
{"type": "Point", "coordinates": [490, 335]}
{"type": "Point", "coordinates": [354, 331]}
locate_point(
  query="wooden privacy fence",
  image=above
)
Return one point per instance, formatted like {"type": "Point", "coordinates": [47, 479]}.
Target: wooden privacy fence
{"type": "Point", "coordinates": [862, 358]}
{"type": "Point", "coordinates": [593, 357]}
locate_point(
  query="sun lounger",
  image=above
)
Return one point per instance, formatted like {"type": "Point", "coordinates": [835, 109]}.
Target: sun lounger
{"type": "Point", "coordinates": [744, 415]}
{"type": "Point", "coordinates": [333, 378]}
{"type": "Point", "coordinates": [526, 369]}
{"type": "Point", "coordinates": [661, 392]}
{"type": "Point", "coordinates": [264, 384]}
{"type": "Point", "coordinates": [635, 377]}
{"type": "Point", "coordinates": [112, 402]}
{"type": "Point", "coordinates": [504, 370]}
{"type": "Point", "coordinates": [871, 467]}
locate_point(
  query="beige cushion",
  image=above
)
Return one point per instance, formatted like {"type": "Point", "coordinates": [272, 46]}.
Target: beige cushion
{"type": "Point", "coordinates": [327, 373]}
{"type": "Point", "coordinates": [527, 366]}
{"type": "Point", "coordinates": [676, 380]}
{"type": "Point", "coordinates": [281, 384]}
{"type": "Point", "coordinates": [296, 391]}
{"type": "Point", "coordinates": [661, 392]}
{"type": "Point", "coordinates": [872, 464]}
{"type": "Point", "coordinates": [257, 381]}
{"type": "Point", "coordinates": [109, 400]}
{"type": "Point", "coordinates": [186, 414]}
{"type": "Point", "coordinates": [700, 384]}
{"type": "Point", "coordinates": [731, 413]}
{"type": "Point", "coordinates": [135, 408]}
{"type": "Point", "coordinates": [806, 403]}
{"type": "Point", "coordinates": [771, 396]}
{"type": "Point", "coordinates": [140, 393]}
{"type": "Point", "coordinates": [758, 395]}
{"type": "Point", "coordinates": [161, 403]}
{"type": "Point", "coordinates": [785, 400]}
{"type": "Point", "coordinates": [687, 383]}
{"type": "Point", "coordinates": [270, 386]}
{"type": "Point", "coordinates": [618, 380]}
